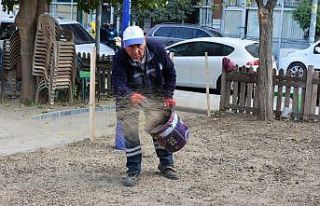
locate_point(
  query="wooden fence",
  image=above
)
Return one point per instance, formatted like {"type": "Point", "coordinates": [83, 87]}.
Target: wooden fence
{"type": "Point", "coordinates": [103, 72]}
{"type": "Point", "coordinates": [296, 95]}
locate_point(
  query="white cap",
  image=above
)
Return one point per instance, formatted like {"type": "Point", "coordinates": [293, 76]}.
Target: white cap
{"type": "Point", "coordinates": [133, 35]}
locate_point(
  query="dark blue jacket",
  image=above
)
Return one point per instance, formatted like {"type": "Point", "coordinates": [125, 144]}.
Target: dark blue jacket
{"type": "Point", "coordinates": [122, 75]}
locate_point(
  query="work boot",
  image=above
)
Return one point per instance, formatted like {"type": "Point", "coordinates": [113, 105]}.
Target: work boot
{"type": "Point", "coordinates": [168, 172]}
{"type": "Point", "coordinates": [131, 180]}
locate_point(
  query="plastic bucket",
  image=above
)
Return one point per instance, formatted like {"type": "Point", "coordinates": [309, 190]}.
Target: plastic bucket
{"type": "Point", "coordinates": [172, 135]}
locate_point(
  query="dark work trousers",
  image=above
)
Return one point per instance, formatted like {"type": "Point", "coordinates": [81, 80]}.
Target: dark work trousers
{"type": "Point", "coordinates": [129, 117]}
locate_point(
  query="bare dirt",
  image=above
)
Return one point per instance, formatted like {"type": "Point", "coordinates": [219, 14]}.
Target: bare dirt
{"type": "Point", "coordinates": [229, 160]}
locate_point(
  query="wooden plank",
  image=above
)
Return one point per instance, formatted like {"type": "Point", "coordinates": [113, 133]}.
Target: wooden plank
{"type": "Point", "coordinates": [235, 93]}
{"type": "Point", "coordinates": [243, 77]}
{"type": "Point", "coordinates": [249, 96]}
{"type": "Point", "coordinates": [242, 90]}
{"type": "Point", "coordinates": [296, 100]}
{"type": "Point", "coordinates": [228, 92]}
{"type": "Point", "coordinates": [223, 93]}
{"type": "Point", "coordinates": [279, 96]}
{"type": "Point", "coordinates": [207, 83]}
{"type": "Point", "coordinates": [242, 108]}
{"type": "Point", "coordinates": [92, 104]}
{"type": "Point", "coordinates": [308, 94]}
{"type": "Point", "coordinates": [314, 94]}
{"type": "Point", "coordinates": [256, 97]}
{"type": "Point", "coordinates": [288, 90]}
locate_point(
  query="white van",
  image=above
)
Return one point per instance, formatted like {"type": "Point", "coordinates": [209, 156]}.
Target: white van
{"type": "Point", "coordinates": [7, 27]}
{"type": "Point", "coordinates": [83, 40]}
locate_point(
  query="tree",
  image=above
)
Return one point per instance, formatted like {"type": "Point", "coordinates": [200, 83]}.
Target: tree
{"type": "Point", "coordinates": [302, 14]}
{"type": "Point", "coordinates": [174, 11]}
{"type": "Point", "coordinates": [265, 85]}
{"type": "Point", "coordinates": [26, 21]}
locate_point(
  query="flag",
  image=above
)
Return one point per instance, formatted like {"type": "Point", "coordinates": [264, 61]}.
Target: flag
{"type": "Point", "coordinates": [126, 12]}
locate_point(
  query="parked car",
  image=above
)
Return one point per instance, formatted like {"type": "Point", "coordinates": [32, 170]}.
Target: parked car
{"type": "Point", "coordinates": [7, 28]}
{"type": "Point", "coordinates": [83, 40]}
{"type": "Point", "coordinates": [189, 59]}
{"type": "Point", "coordinates": [298, 60]}
{"type": "Point", "coordinates": [171, 33]}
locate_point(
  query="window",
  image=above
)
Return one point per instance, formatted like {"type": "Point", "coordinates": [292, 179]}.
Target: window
{"type": "Point", "coordinates": [166, 32]}
{"type": "Point", "coordinates": [253, 49]}
{"type": "Point", "coordinates": [185, 33]}
{"type": "Point", "coordinates": [200, 33]}
{"type": "Point", "coordinates": [213, 49]}
{"type": "Point", "coordinates": [316, 49]}
{"type": "Point", "coordinates": [184, 49]}
{"type": "Point", "coordinates": [81, 36]}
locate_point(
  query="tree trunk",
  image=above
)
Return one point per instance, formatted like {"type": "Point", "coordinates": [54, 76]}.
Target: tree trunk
{"type": "Point", "coordinates": [26, 21]}
{"type": "Point", "coordinates": [265, 70]}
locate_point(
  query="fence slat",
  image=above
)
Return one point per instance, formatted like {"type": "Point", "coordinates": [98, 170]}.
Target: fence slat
{"type": "Point", "coordinates": [223, 94]}
{"type": "Point", "coordinates": [288, 90]}
{"type": "Point", "coordinates": [279, 96]}
{"type": "Point", "coordinates": [315, 88]}
{"type": "Point", "coordinates": [235, 93]}
{"type": "Point", "coordinates": [308, 94]}
{"type": "Point", "coordinates": [242, 94]}
{"type": "Point", "coordinates": [248, 102]}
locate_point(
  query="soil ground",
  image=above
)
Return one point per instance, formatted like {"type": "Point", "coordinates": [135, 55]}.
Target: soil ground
{"type": "Point", "coordinates": [230, 159]}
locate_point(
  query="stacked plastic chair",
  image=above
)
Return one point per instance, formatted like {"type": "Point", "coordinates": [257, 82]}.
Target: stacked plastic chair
{"type": "Point", "coordinates": [11, 57]}
{"type": "Point", "coordinates": [64, 66]}
{"type": "Point", "coordinates": [53, 59]}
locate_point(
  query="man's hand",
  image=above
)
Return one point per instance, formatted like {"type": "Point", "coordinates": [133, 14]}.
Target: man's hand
{"type": "Point", "coordinates": [136, 99]}
{"type": "Point", "coordinates": [169, 102]}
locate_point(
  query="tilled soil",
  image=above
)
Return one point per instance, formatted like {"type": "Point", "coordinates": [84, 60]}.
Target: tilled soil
{"type": "Point", "coordinates": [229, 160]}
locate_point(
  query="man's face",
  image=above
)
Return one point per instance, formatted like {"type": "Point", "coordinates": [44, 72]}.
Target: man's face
{"type": "Point", "coordinates": [136, 51]}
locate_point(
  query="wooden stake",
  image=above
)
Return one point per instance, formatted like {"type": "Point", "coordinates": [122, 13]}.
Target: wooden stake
{"type": "Point", "coordinates": [207, 83]}
{"type": "Point", "coordinates": [92, 105]}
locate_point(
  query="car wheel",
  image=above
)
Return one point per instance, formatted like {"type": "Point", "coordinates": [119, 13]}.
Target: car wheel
{"type": "Point", "coordinates": [296, 68]}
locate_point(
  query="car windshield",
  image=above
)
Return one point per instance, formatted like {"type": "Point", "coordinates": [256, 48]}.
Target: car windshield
{"type": "Point", "coordinates": [6, 30]}
{"type": "Point", "coordinates": [253, 49]}
{"type": "Point", "coordinates": [81, 36]}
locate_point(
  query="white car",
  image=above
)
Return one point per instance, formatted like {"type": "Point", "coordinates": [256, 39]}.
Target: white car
{"type": "Point", "coordinates": [189, 59]}
{"type": "Point", "coordinates": [299, 60]}
{"type": "Point", "coordinates": [83, 40]}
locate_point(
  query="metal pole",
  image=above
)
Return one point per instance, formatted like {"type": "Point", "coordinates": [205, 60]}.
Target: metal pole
{"type": "Point", "coordinates": [98, 25]}
{"type": "Point", "coordinates": [111, 14]}
{"type": "Point", "coordinates": [243, 18]}
{"type": "Point", "coordinates": [280, 31]}
{"type": "Point", "coordinates": [313, 21]}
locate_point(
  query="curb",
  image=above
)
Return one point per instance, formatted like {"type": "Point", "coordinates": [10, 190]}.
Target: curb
{"type": "Point", "coordinates": [70, 112]}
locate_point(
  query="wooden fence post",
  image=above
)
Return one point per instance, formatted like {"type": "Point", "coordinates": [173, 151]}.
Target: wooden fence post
{"type": "Point", "coordinates": [207, 83]}
{"type": "Point", "coordinates": [308, 94]}
{"type": "Point", "coordinates": [92, 104]}
{"type": "Point", "coordinates": [223, 97]}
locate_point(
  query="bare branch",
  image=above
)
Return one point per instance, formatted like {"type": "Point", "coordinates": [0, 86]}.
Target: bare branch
{"type": "Point", "coordinates": [271, 4]}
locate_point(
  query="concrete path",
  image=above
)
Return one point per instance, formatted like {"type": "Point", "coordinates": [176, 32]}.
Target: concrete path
{"type": "Point", "coordinates": [19, 132]}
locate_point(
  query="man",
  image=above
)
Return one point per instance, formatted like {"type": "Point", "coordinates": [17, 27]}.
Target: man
{"type": "Point", "coordinates": [143, 77]}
